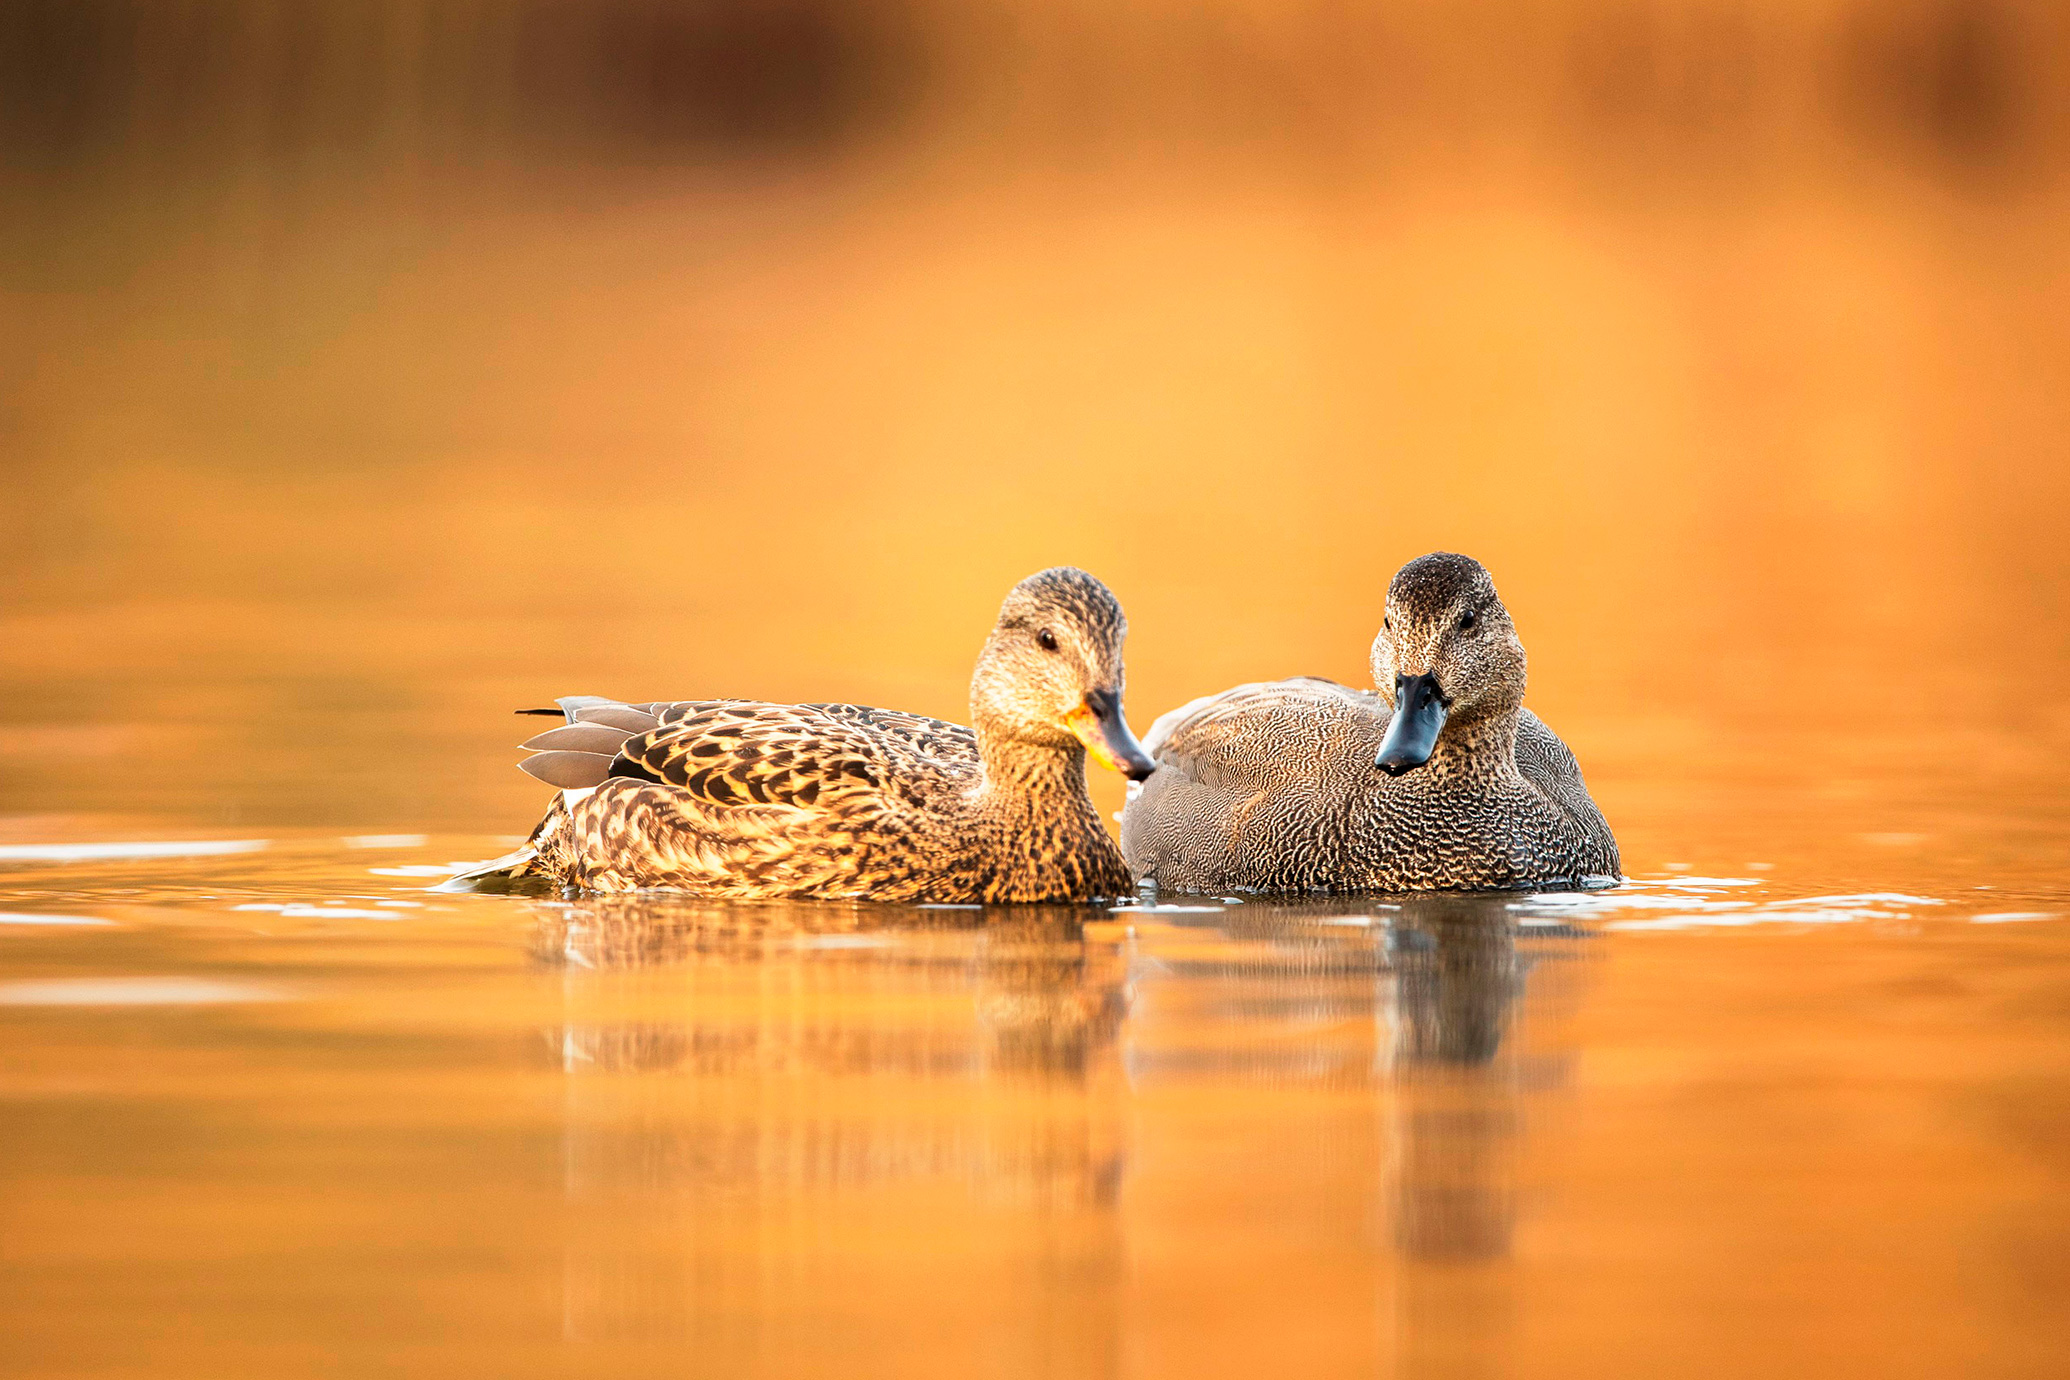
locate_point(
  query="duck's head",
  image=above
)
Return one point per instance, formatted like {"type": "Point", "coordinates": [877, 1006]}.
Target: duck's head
{"type": "Point", "coordinates": [1051, 671]}
{"type": "Point", "coordinates": [1447, 656]}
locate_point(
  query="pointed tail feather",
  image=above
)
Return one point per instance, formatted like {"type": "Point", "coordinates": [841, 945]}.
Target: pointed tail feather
{"type": "Point", "coordinates": [571, 771]}
{"type": "Point", "coordinates": [579, 754]}
{"type": "Point", "coordinates": [625, 716]}
{"type": "Point", "coordinates": [579, 738]}
{"type": "Point", "coordinates": [570, 707]}
{"type": "Point", "coordinates": [498, 876]}
{"type": "Point", "coordinates": [520, 871]}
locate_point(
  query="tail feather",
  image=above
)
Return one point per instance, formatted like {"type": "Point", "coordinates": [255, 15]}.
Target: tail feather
{"type": "Point", "coordinates": [570, 707]}
{"type": "Point", "coordinates": [579, 754]}
{"type": "Point", "coordinates": [497, 875]}
{"type": "Point", "coordinates": [585, 737]}
{"type": "Point", "coordinates": [577, 757]}
{"type": "Point", "coordinates": [571, 771]}
{"type": "Point", "coordinates": [617, 716]}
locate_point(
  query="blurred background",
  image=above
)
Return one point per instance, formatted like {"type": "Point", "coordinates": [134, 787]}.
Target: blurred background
{"type": "Point", "coordinates": [370, 370]}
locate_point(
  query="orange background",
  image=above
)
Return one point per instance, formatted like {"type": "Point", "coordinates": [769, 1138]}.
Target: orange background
{"type": "Point", "coordinates": [375, 369]}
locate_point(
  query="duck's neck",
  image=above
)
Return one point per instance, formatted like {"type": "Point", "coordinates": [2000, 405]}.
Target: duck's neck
{"type": "Point", "coordinates": [1481, 748]}
{"type": "Point", "coordinates": [1032, 780]}
{"type": "Point", "coordinates": [1035, 825]}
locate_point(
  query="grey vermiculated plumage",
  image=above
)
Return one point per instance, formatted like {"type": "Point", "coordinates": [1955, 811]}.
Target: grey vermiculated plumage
{"type": "Point", "coordinates": [749, 800]}
{"type": "Point", "coordinates": [1272, 787]}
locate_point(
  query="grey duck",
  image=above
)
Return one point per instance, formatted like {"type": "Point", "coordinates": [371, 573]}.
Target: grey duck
{"type": "Point", "coordinates": [747, 800]}
{"type": "Point", "coordinates": [1442, 781]}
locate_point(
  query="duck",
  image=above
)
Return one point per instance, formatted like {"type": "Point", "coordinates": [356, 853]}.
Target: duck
{"type": "Point", "coordinates": [746, 800]}
{"type": "Point", "coordinates": [1437, 780]}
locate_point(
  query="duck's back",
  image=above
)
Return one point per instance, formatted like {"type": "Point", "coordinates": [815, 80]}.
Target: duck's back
{"type": "Point", "coordinates": [1253, 787]}
{"type": "Point", "coordinates": [1271, 786]}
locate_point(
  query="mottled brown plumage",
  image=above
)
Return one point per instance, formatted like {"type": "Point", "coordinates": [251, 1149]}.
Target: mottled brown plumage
{"type": "Point", "coordinates": [743, 799]}
{"type": "Point", "coordinates": [1281, 786]}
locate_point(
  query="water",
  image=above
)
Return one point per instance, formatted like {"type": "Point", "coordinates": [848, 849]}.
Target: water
{"type": "Point", "coordinates": [275, 1107]}
{"type": "Point", "coordinates": [371, 372]}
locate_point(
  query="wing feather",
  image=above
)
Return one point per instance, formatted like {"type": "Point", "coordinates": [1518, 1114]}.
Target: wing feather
{"type": "Point", "coordinates": [741, 797]}
{"type": "Point", "coordinates": [933, 739]}
{"type": "Point", "coordinates": [741, 754]}
{"type": "Point", "coordinates": [1254, 734]}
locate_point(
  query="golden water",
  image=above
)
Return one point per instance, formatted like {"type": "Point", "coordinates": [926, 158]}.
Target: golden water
{"type": "Point", "coordinates": [273, 1107]}
{"type": "Point", "coordinates": [368, 372]}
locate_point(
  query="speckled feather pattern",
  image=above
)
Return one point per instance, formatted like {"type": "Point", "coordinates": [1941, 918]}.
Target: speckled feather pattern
{"type": "Point", "coordinates": [836, 801]}
{"type": "Point", "coordinates": [1272, 787]}
{"type": "Point", "coordinates": [744, 799]}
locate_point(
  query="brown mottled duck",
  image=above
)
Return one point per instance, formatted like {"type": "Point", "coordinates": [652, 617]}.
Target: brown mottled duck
{"type": "Point", "coordinates": [1443, 781]}
{"type": "Point", "coordinates": [746, 800]}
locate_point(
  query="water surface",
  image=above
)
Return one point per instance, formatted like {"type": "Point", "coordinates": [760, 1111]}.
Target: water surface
{"type": "Point", "coordinates": [370, 372]}
{"type": "Point", "coordinates": [273, 1107]}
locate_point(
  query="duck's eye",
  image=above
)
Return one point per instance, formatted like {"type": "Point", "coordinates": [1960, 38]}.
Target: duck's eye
{"type": "Point", "coordinates": [1466, 621]}
{"type": "Point", "coordinates": [1047, 640]}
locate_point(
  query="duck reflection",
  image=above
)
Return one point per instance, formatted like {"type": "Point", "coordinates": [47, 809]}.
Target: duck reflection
{"type": "Point", "coordinates": [755, 1092]}
{"type": "Point", "coordinates": [1257, 994]}
{"type": "Point", "coordinates": [1045, 1002]}
{"type": "Point", "coordinates": [1048, 1003]}
{"type": "Point", "coordinates": [657, 984]}
{"type": "Point", "coordinates": [1476, 1044]}
{"type": "Point", "coordinates": [1416, 999]}
{"type": "Point", "coordinates": [1457, 980]}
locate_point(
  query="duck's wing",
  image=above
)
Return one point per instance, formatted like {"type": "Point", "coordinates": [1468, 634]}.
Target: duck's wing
{"type": "Point", "coordinates": [1551, 768]}
{"type": "Point", "coordinates": [934, 740]}
{"type": "Point", "coordinates": [739, 798]}
{"type": "Point", "coordinates": [587, 749]}
{"type": "Point", "coordinates": [1250, 787]}
{"type": "Point", "coordinates": [739, 753]}
{"type": "Point", "coordinates": [1262, 734]}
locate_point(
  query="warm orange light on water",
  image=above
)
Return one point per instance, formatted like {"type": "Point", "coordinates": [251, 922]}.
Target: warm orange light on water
{"type": "Point", "coordinates": [372, 372]}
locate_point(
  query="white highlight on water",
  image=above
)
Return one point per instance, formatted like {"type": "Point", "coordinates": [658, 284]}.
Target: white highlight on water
{"type": "Point", "coordinates": [105, 852]}
{"type": "Point", "coordinates": [296, 910]}
{"type": "Point", "coordinates": [131, 991]}
{"type": "Point", "coordinates": [1809, 910]}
